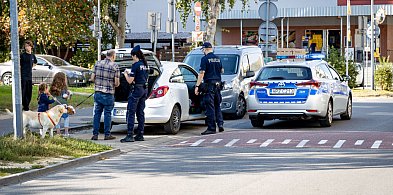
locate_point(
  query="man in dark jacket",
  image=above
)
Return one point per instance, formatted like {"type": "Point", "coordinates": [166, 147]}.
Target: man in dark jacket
{"type": "Point", "coordinates": [27, 62]}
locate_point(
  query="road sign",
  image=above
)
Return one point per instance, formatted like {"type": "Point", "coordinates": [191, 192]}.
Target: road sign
{"type": "Point", "coordinates": [380, 15]}
{"type": "Point", "coordinates": [273, 11]}
{"type": "Point", "coordinates": [197, 36]}
{"type": "Point", "coordinates": [154, 20]}
{"type": "Point", "coordinates": [377, 31]}
{"type": "Point", "coordinates": [272, 32]}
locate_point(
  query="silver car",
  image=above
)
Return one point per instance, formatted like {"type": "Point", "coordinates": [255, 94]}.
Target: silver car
{"type": "Point", "coordinates": [299, 90]}
{"type": "Point", "coordinates": [47, 67]}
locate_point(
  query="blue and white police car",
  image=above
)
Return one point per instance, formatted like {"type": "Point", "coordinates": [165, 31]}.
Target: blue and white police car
{"type": "Point", "coordinates": [299, 90]}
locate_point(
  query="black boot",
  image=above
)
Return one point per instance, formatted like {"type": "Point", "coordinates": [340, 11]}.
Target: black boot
{"type": "Point", "coordinates": [139, 137]}
{"type": "Point", "coordinates": [128, 138]}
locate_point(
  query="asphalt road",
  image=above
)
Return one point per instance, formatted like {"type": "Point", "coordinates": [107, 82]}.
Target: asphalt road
{"type": "Point", "coordinates": [259, 161]}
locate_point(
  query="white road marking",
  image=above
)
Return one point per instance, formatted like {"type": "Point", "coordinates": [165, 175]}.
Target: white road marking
{"type": "Point", "coordinates": [197, 142]}
{"type": "Point", "coordinates": [359, 142]}
{"type": "Point", "coordinates": [183, 142]}
{"type": "Point", "coordinates": [216, 141]}
{"type": "Point", "coordinates": [232, 142]}
{"type": "Point", "coordinates": [324, 141]}
{"type": "Point", "coordinates": [286, 141]}
{"type": "Point", "coordinates": [339, 143]}
{"type": "Point", "coordinates": [251, 141]}
{"type": "Point", "coordinates": [376, 144]}
{"type": "Point", "coordinates": [302, 143]}
{"type": "Point", "coordinates": [266, 143]}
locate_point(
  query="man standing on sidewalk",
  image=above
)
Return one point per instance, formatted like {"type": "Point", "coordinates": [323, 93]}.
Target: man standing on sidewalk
{"type": "Point", "coordinates": [106, 76]}
{"type": "Point", "coordinates": [27, 62]}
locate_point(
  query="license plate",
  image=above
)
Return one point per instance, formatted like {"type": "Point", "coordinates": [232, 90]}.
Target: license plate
{"type": "Point", "coordinates": [117, 112]}
{"type": "Point", "coordinates": [282, 91]}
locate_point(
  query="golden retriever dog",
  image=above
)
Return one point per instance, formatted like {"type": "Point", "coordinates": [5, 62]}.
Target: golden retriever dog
{"type": "Point", "coordinates": [44, 120]}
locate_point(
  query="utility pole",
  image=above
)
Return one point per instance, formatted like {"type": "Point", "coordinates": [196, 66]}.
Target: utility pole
{"type": "Point", "coordinates": [99, 31]}
{"type": "Point", "coordinates": [372, 45]}
{"type": "Point", "coordinates": [348, 36]}
{"type": "Point", "coordinates": [171, 24]}
{"type": "Point", "coordinates": [16, 83]}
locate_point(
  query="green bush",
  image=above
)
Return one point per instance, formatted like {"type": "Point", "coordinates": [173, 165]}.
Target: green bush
{"type": "Point", "coordinates": [384, 75]}
{"type": "Point", "coordinates": [338, 61]}
{"type": "Point", "coordinates": [84, 59]}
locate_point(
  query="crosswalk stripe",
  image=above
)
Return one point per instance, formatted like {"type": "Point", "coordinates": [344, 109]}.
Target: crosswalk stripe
{"type": "Point", "coordinates": [376, 144]}
{"type": "Point", "coordinates": [266, 143]}
{"type": "Point", "coordinates": [197, 142]}
{"type": "Point", "coordinates": [324, 141]}
{"type": "Point", "coordinates": [183, 142]}
{"type": "Point", "coordinates": [302, 143]}
{"type": "Point", "coordinates": [216, 141]}
{"type": "Point", "coordinates": [359, 142]}
{"type": "Point", "coordinates": [232, 142]}
{"type": "Point", "coordinates": [286, 141]}
{"type": "Point", "coordinates": [251, 141]}
{"type": "Point", "coordinates": [339, 144]}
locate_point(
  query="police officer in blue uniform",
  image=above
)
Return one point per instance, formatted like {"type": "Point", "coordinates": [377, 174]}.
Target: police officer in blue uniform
{"type": "Point", "coordinates": [210, 71]}
{"type": "Point", "coordinates": [138, 78]}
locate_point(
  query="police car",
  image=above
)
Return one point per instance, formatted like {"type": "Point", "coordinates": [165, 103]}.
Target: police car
{"type": "Point", "coordinates": [299, 90]}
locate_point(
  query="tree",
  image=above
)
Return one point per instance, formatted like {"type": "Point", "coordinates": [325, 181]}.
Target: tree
{"type": "Point", "coordinates": [114, 13]}
{"type": "Point", "coordinates": [211, 10]}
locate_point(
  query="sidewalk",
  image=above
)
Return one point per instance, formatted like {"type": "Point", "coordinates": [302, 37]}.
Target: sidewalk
{"type": "Point", "coordinates": [82, 119]}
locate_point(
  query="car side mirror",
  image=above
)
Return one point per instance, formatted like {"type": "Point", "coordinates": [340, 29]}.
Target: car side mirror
{"type": "Point", "coordinates": [249, 74]}
{"type": "Point", "coordinates": [346, 77]}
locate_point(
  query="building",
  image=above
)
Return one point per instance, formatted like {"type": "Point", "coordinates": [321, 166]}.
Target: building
{"type": "Point", "coordinates": [319, 24]}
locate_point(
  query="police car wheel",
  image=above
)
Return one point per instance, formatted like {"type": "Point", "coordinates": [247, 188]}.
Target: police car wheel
{"type": "Point", "coordinates": [241, 108]}
{"type": "Point", "coordinates": [347, 115]}
{"type": "Point", "coordinates": [257, 122]}
{"type": "Point", "coordinates": [101, 129]}
{"type": "Point", "coordinates": [173, 125]}
{"type": "Point", "coordinates": [328, 119]}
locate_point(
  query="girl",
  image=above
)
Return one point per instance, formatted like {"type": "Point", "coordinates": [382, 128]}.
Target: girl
{"type": "Point", "coordinates": [43, 98]}
{"type": "Point", "coordinates": [60, 91]}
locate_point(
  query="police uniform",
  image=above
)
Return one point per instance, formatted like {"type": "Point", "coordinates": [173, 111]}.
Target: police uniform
{"type": "Point", "coordinates": [212, 66]}
{"type": "Point", "coordinates": [136, 100]}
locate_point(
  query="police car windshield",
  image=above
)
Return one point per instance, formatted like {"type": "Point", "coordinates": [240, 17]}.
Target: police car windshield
{"type": "Point", "coordinates": [285, 73]}
{"type": "Point", "coordinates": [229, 62]}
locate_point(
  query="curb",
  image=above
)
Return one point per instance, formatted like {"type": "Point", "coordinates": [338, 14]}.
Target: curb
{"type": "Point", "coordinates": [31, 174]}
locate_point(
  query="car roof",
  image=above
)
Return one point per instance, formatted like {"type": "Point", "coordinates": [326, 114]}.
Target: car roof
{"type": "Point", "coordinates": [310, 64]}
{"type": "Point", "coordinates": [126, 50]}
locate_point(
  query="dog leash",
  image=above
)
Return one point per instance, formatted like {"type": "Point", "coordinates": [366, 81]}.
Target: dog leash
{"type": "Point", "coordinates": [84, 100]}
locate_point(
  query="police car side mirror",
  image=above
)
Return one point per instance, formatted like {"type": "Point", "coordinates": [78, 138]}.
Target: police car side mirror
{"type": "Point", "coordinates": [250, 74]}
{"type": "Point", "coordinates": [346, 78]}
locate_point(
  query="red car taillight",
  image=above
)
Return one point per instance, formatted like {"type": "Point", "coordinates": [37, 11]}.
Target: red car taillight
{"type": "Point", "coordinates": [159, 92]}
{"type": "Point", "coordinates": [311, 83]}
{"type": "Point", "coordinates": [255, 83]}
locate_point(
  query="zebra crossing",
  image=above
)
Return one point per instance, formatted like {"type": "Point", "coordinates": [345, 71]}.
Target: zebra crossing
{"type": "Point", "coordinates": [296, 140]}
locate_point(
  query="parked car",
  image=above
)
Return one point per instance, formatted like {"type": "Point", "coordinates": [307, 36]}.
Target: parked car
{"type": "Point", "coordinates": [299, 90]}
{"type": "Point", "coordinates": [171, 99]}
{"type": "Point", "coordinates": [240, 63]}
{"type": "Point", "coordinates": [47, 66]}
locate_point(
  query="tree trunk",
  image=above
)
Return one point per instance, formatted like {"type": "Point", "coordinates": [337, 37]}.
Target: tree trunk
{"type": "Point", "coordinates": [58, 51]}
{"type": "Point", "coordinates": [66, 54]}
{"type": "Point", "coordinates": [120, 34]}
{"type": "Point", "coordinates": [214, 10]}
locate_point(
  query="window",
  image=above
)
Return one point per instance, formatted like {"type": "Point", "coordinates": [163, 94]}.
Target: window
{"type": "Point", "coordinates": [255, 61]}
{"type": "Point", "coordinates": [229, 62]}
{"type": "Point", "coordinates": [177, 76]}
{"type": "Point", "coordinates": [285, 73]}
{"type": "Point", "coordinates": [245, 65]}
{"type": "Point", "coordinates": [336, 76]}
{"type": "Point", "coordinates": [188, 75]}
{"type": "Point", "coordinates": [40, 61]}
{"type": "Point", "coordinates": [322, 72]}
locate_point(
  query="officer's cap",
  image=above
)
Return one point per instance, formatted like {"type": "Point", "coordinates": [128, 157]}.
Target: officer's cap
{"type": "Point", "coordinates": [206, 45]}
{"type": "Point", "coordinates": [135, 49]}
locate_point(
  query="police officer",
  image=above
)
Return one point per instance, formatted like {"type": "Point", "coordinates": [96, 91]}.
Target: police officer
{"type": "Point", "coordinates": [210, 71]}
{"type": "Point", "coordinates": [137, 77]}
